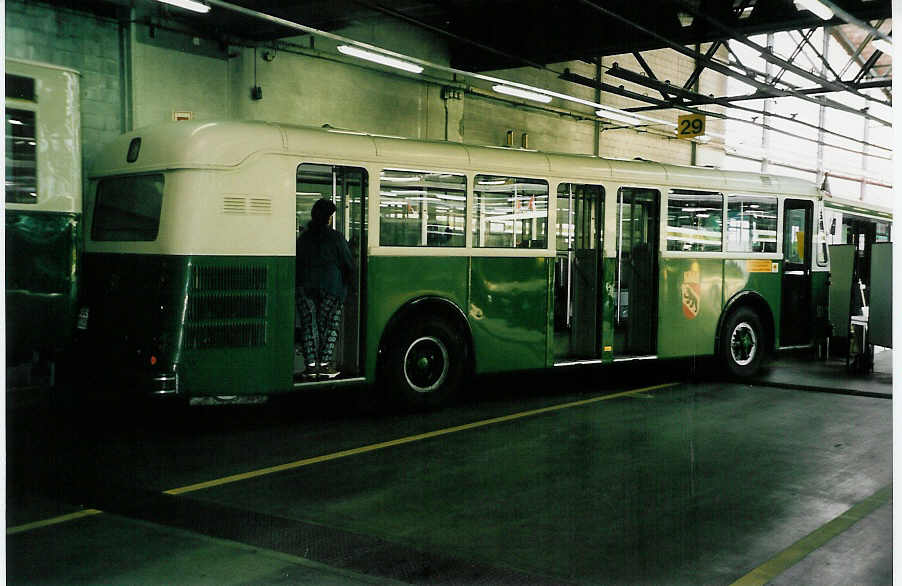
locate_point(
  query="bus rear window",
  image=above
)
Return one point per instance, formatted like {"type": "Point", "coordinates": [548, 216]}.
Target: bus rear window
{"type": "Point", "coordinates": [128, 208]}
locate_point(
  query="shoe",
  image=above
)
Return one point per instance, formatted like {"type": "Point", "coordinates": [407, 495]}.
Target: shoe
{"type": "Point", "coordinates": [327, 371]}
{"type": "Point", "coordinates": [310, 373]}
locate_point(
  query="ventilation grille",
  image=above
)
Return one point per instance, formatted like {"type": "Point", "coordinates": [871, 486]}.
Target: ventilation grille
{"type": "Point", "coordinates": [227, 307]}
{"type": "Point", "coordinates": [229, 278]}
{"type": "Point", "coordinates": [234, 206]}
{"type": "Point", "coordinates": [260, 206]}
{"type": "Point", "coordinates": [225, 335]}
{"type": "Point", "coordinates": [241, 206]}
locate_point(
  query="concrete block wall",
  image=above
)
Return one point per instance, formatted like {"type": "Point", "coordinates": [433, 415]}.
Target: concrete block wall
{"type": "Point", "coordinates": [174, 72]}
{"type": "Point", "coordinates": [81, 41]}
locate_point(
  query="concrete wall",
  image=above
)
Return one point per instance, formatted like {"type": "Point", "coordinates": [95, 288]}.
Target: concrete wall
{"type": "Point", "coordinates": [139, 75]}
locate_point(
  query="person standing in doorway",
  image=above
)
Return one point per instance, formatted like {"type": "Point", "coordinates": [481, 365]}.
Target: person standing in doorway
{"type": "Point", "coordinates": [324, 269]}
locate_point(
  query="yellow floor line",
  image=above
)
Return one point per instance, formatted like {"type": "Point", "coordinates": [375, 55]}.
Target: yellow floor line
{"type": "Point", "coordinates": [400, 441]}
{"type": "Point", "coordinates": [801, 548]}
{"type": "Point", "coordinates": [343, 454]}
{"type": "Point", "coordinates": [52, 521]}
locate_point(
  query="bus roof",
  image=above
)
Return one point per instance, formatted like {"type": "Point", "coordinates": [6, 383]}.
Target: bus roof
{"type": "Point", "coordinates": [857, 207]}
{"type": "Point", "coordinates": [220, 145]}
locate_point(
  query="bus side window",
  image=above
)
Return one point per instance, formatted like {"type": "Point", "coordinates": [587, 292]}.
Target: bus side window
{"type": "Point", "coordinates": [511, 212]}
{"type": "Point", "coordinates": [422, 208]}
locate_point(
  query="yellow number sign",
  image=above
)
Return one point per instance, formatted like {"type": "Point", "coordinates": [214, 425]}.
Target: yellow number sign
{"type": "Point", "coordinates": [690, 125]}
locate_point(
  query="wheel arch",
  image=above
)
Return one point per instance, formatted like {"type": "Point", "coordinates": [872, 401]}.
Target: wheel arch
{"type": "Point", "coordinates": [433, 306]}
{"type": "Point", "coordinates": [756, 303]}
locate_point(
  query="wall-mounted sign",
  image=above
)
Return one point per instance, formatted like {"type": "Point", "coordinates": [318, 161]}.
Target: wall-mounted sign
{"type": "Point", "coordinates": [182, 115]}
{"type": "Point", "coordinates": [690, 125]}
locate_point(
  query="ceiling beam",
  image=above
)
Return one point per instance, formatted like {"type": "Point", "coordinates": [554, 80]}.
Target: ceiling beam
{"type": "Point", "coordinates": [662, 104]}
{"type": "Point", "coordinates": [769, 56]}
{"type": "Point", "coordinates": [717, 66]}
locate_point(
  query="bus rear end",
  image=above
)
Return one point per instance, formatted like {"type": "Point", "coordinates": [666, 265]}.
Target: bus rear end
{"type": "Point", "coordinates": [128, 320]}
{"type": "Point", "coordinates": [189, 264]}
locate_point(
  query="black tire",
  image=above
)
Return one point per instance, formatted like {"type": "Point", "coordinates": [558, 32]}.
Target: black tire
{"type": "Point", "coordinates": [742, 343]}
{"type": "Point", "coordinates": [425, 363]}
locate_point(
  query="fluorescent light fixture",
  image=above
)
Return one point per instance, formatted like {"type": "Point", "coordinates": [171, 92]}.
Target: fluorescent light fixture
{"type": "Point", "coordinates": [883, 45]}
{"type": "Point", "coordinates": [625, 118]}
{"type": "Point", "coordinates": [513, 91]}
{"type": "Point", "coordinates": [188, 5]}
{"type": "Point", "coordinates": [818, 8]}
{"type": "Point", "coordinates": [380, 58]}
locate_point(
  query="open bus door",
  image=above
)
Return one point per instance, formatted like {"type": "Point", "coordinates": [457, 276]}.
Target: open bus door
{"type": "Point", "coordinates": [796, 319]}
{"type": "Point", "coordinates": [346, 187]}
{"type": "Point", "coordinates": [636, 282]}
{"type": "Point", "coordinates": [577, 272]}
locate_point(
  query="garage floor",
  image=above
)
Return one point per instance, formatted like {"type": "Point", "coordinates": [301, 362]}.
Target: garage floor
{"type": "Point", "coordinates": [594, 476]}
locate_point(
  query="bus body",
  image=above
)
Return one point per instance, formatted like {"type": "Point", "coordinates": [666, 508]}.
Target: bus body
{"type": "Point", "coordinates": [43, 218]}
{"type": "Point", "coordinates": [469, 259]}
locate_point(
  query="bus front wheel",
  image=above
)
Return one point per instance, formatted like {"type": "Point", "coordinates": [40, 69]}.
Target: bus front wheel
{"type": "Point", "coordinates": [742, 343]}
{"type": "Point", "coordinates": [426, 363]}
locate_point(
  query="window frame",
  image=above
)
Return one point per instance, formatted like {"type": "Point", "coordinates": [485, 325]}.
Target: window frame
{"type": "Point", "coordinates": [778, 200]}
{"type": "Point", "coordinates": [473, 232]}
{"type": "Point", "coordinates": [664, 224]}
{"type": "Point", "coordinates": [467, 184]}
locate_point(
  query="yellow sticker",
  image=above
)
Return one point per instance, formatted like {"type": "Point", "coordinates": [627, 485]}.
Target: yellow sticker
{"type": "Point", "coordinates": [690, 125]}
{"type": "Point", "coordinates": [758, 266]}
{"type": "Point", "coordinates": [608, 348]}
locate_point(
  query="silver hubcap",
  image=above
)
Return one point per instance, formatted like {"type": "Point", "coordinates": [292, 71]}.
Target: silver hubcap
{"type": "Point", "coordinates": [743, 344]}
{"type": "Point", "coordinates": [426, 364]}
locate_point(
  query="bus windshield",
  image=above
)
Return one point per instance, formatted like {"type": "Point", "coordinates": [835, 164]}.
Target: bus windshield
{"type": "Point", "coordinates": [128, 208]}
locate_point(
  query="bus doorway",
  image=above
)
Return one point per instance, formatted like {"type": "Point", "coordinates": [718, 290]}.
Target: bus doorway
{"type": "Point", "coordinates": [346, 187]}
{"type": "Point", "coordinates": [577, 272]}
{"type": "Point", "coordinates": [636, 281]}
{"type": "Point", "coordinates": [796, 316]}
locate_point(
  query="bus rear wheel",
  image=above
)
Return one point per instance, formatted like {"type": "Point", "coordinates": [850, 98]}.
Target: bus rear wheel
{"type": "Point", "coordinates": [425, 364]}
{"type": "Point", "coordinates": [742, 343]}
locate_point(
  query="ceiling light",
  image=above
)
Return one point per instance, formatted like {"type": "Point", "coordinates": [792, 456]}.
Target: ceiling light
{"type": "Point", "coordinates": [512, 91]}
{"type": "Point", "coordinates": [625, 118]}
{"type": "Point", "coordinates": [380, 58]}
{"type": "Point", "coordinates": [188, 5]}
{"type": "Point", "coordinates": [883, 45]}
{"type": "Point", "coordinates": [818, 8]}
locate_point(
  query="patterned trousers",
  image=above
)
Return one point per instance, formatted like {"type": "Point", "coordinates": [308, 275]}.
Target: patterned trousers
{"type": "Point", "coordinates": [320, 317]}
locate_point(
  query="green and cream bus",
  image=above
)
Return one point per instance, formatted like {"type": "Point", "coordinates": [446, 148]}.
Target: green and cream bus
{"type": "Point", "coordinates": [469, 260]}
{"type": "Point", "coordinates": [43, 218]}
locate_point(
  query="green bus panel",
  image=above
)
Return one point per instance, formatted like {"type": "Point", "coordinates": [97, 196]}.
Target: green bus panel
{"type": "Point", "coordinates": [761, 276]}
{"type": "Point", "coordinates": [43, 254]}
{"type": "Point", "coordinates": [689, 306]}
{"type": "Point", "coordinates": [508, 312]}
{"type": "Point", "coordinates": [505, 301]}
{"type": "Point", "coordinates": [244, 341]}
{"type": "Point", "coordinates": [225, 325]}
{"type": "Point", "coordinates": [392, 281]}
